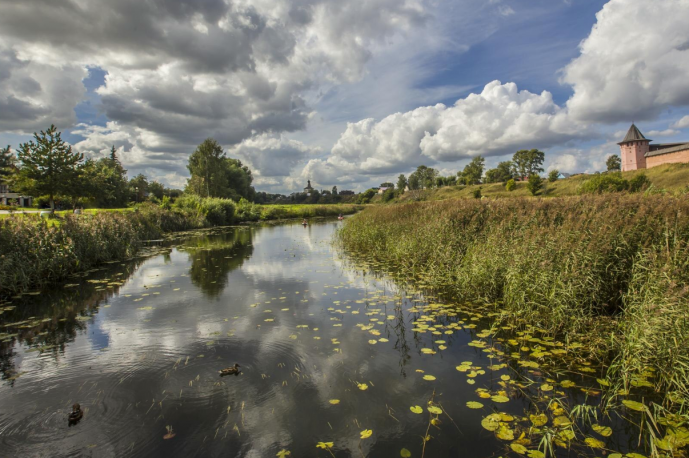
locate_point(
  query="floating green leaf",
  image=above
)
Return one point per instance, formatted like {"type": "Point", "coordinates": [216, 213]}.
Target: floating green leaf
{"type": "Point", "coordinates": [404, 453]}
{"type": "Point", "coordinates": [499, 398]}
{"type": "Point", "coordinates": [416, 409]}
{"type": "Point", "coordinates": [604, 431]}
{"type": "Point", "coordinates": [365, 434]}
{"type": "Point", "coordinates": [518, 448]}
{"type": "Point", "coordinates": [474, 405]}
{"type": "Point", "coordinates": [491, 422]}
{"type": "Point", "coordinates": [639, 407]}
{"type": "Point", "coordinates": [539, 420]}
{"type": "Point", "coordinates": [428, 377]}
{"type": "Point", "coordinates": [435, 410]}
{"type": "Point", "coordinates": [594, 443]}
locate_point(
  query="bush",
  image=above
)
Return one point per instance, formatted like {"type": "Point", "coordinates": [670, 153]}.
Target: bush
{"type": "Point", "coordinates": [247, 211]}
{"type": "Point", "coordinates": [553, 176]}
{"type": "Point", "coordinates": [388, 195]}
{"type": "Point", "coordinates": [639, 183]}
{"type": "Point", "coordinates": [535, 184]}
{"type": "Point", "coordinates": [476, 193]}
{"type": "Point", "coordinates": [216, 211]}
{"type": "Point", "coordinates": [603, 183]}
{"type": "Point", "coordinates": [510, 185]}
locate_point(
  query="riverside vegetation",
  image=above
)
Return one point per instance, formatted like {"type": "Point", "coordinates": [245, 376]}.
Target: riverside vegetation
{"type": "Point", "coordinates": [35, 252]}
{"type": "Point", "coordinates": [609, 272]}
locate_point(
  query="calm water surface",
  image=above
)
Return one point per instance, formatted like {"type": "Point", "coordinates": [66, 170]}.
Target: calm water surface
{"type": "Point", "coordinates": [139, 345]}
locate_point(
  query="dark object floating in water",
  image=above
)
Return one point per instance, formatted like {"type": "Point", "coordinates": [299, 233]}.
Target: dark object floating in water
{"type": "Point", "coordinates": [75, 415]}
{"type": "Point", "coordinates": [230, 370]}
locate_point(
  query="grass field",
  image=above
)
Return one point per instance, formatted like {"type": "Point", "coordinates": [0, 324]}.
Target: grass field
{"type": "Point", "coordinates": [671, 178]}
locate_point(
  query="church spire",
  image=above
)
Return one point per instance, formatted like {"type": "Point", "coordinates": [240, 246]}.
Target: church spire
{"type": "Point", "coordinates": [634, 135]}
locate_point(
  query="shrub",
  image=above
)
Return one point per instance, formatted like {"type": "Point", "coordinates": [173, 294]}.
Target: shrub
{"type": "Point", "coordinates": [216, 211]}
{"type": "Point", "coordinates": [247, 211]}
{"type": "Point", "coordinates": [535, 184]}
{"type": "Point", "coordinates": [510, 185]}
{"type": "Point", "coordinates": [553, 176]}
{"type": "Point", "coordinates": [388, 195]}
{"type": "Point", "coordinates": [476, 193]}
{"type": "Point", "coordinates": [639, 183]}
{"type": "Point", "coordinates": [602, 183]}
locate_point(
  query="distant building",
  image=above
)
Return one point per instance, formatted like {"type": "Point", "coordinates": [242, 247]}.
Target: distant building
{"type": "Point", "coordinates": [562, 175]}
{"type": "Point", "coordinates": [12, 198]}
{"type": "Point", "coordinates": [637, 152]}
{"type": "Point", "coordinates": [382, 190]}
{"type": "Point", "coordinates": [308, 189]}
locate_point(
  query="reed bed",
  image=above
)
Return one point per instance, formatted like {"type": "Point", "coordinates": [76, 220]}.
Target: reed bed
{"type": "Point", "coordinates": [610, 270]}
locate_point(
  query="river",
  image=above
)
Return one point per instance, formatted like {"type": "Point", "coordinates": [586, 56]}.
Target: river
{"type": "Point", "coordinates": [334, 361]}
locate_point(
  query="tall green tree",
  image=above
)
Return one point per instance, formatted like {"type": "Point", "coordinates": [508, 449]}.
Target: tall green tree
{"type": "Point", "coordinates": [105, 181]}
{"type": "Point", "coordinates": [238, 178]}
{"type": "Point", "coordinates": [502, 173]}
{"type": "Point", "coordinates": [138, 187]}
{"type": "Point", "coordinates": [48, 166]}
{"type": "Point", "coordinates": [473, 171]}
{"type": "Point", "coordinates": [614, 163]}
{"type": "Point", "coordinates": [424, 177]}
{"type": "Point", "coordinates": [401, 183]}
{"type": "Point", "coordinates": [7, 160]}
{"type": "Point", "coordinates": [334, 191]}
{"type": "Point", "coordinates": [207, 169]}
{"type": "Point", "coordinates": [528, 162]}
{"type": "Point", "coordinates": [535, 184]}
{"type": "Point", "coordinates": [156, 189]}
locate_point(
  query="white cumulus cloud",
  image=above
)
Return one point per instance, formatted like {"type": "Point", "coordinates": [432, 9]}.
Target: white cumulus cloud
{"type": "Point", "coordinates": [633, 64]}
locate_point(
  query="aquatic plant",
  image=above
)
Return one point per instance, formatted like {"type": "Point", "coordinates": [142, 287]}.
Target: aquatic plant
{"type": "Point", "coordinates": [611, 270]}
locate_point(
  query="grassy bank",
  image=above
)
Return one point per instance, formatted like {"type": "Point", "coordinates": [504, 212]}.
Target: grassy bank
{"type": "Point", "coordinates": [671, 178]}
{"type": "Point", "coordinates": [35, 252]}
{"type": "Point", "coordinates": [611, 270]}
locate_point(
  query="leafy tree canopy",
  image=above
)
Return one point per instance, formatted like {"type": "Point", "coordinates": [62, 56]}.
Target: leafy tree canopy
{"type": "Point", "coordinates": [528, 162]}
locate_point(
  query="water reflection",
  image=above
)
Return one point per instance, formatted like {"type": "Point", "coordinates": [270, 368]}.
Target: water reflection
{"type": "Point", "coordinates": [213, 257]}
{"type": "Point", "coordinates": [139, 346]}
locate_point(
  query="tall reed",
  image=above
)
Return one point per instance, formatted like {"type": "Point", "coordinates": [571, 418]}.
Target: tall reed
{"type": "Point", "coordinates": [613, 269]}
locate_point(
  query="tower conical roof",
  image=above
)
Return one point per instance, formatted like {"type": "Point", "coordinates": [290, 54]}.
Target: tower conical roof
{"type": "Point", "coordinates": [634, 135]}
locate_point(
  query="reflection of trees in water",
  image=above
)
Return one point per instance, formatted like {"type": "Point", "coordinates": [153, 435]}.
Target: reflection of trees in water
{"type": "Point", "coordinates": [50, 321]}
{"type": "Point", "coordinates": [214, 257]}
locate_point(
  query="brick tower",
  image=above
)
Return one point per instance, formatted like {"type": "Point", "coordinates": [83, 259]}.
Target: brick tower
{"type": "Point", "coordinates": [633, 150]}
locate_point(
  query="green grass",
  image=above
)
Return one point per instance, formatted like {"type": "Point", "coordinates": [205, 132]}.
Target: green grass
{"type": "Point", "coordinates": [610, 270]}
{"type": "Point", "coordinates": [672, 178]}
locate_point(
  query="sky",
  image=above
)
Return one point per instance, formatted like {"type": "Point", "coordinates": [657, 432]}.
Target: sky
{"type": "Point", "coordinates": [345, 93]}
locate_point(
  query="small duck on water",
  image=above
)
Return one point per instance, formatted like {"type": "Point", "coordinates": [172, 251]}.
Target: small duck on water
{"type": "Point", "coordinates": [75, 415]}
{"type": "Point", "coordinates": [234, 370]}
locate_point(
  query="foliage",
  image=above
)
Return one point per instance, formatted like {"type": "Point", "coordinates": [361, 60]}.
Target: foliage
{"type": "Point", "coordinates": [553, 175]}
{"type": "Point", "coordinates": [639, 183]}
{"type": "Point", "coordinates": [247, 211]}
{"type": "Point", "coordinates": [602, 183]}
{"type": "Point", "coordinates": [401, 182]}
{"type": "Point", "coordinates": [503, 172]}
{"type": "Point", "coordinates": [138, 187]}
{"type": "Point", "coordinates": [48, 166]}
{"type": "Point", "coordinates": [612, 270]}
{"type": "Point", "coordinates": [334, 191]}
{"type": "Point", "coordinates": [7, 161]}
{"type": "Point", "coordinates": [217, 211]}
{"type": "Point", "coordinates": [366, 196]}
{"type": "Point", "coordinates": [388, 195]}
{"type": "Point", "coordinates": [477, 193]}
{"type": "Point", "coordinates": [613, 163]}
{"type": "Point", "coordinates": [528, 162]}
{"type": "Point", "coordinates": [510, 185]}
{"type": "Point", "coordinates": [387, 184]}
{"type": "Point", "coordinates": [535, 184]}
{"type": "Point", "coordinates": [213, 174]}
{"type": "Point", "coordinates": [105, 182]}
{"type": "Point", "coordinates": [473, 171]}
{"type": "Point", "coordinates": [423, 177]}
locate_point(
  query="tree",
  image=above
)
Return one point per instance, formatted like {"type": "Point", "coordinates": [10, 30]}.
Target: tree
{"type": "Point", "coordinates": [139, 187]}
{"type": "Point", "coordinates": [473, 171]}
{"type": "Point", "coordinates": [528, 162]}
{"type": "Point", "coordinates": [401, 183]}
{"type": "Point", "coordinates": [207, 169]}
{"type": "Point", "coordinates": [553, 176]}
{"type": "Point", "coordinates": [156, 189]}
{"type": "Point", "coordinates": [7, 160]}
{"type": "Point", "coordinates": [501, 173]}
{"type": "Point", "coordinates": [49, 166]}
{"type": "Point", "coordinates": [387, 184]}
{"type": "Point", "coordinates": [414, 181]}
{"type": "Point", "coordinates": [535, 184]}
{"type": "Point", "coordinates": [239, 180]}
{"type": "Point", "coordinates": [334, 191]}
{"type": "Point", "coordinates": [424, 177]}
{"type": "Point", "coordinates": [613, 163]}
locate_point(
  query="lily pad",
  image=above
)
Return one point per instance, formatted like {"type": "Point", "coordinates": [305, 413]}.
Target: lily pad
{"type": "Point", "coordinates": [428, 377]}
{"type": "Point", "coordinates": [633, 405]}
{"type": "Point", "coordinates": [435, 410]}
{"type": "Point", "coordinates": [604, 431]}
{"type": "Point", "coordinates": [474, 405]}
{"type": "Point", "coordinates": [416, 409]}
{"type": "Point", "coordinates": [499, 398]}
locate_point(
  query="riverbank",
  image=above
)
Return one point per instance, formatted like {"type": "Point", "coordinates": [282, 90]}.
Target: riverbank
{"type": "Point", "coordinates": [611, 271]}
{"type": "Point", "coordinates": [35, 252]}
{"type": "Point", "coordinates": [665, 179]}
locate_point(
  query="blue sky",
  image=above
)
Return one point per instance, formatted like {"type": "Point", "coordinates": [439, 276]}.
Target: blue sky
{"type": "Point", "coordinates": [342, 92]}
